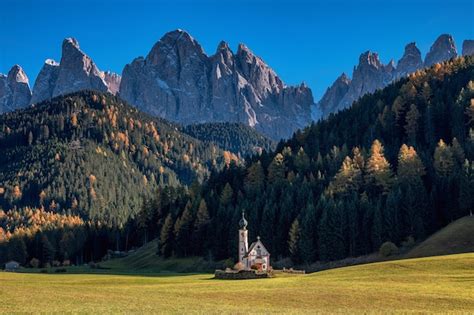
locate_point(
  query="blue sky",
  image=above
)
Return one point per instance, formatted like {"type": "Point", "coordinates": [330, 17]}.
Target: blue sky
{"type": "Point", "coordinates": [311, 41]}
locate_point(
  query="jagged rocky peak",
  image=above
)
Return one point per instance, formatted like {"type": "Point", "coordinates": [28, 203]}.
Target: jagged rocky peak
{"type": "Point", "coordinates": [224, 54]}
{"type": "Point", "coordinates": [76, 71]}
{"type": "Point", "coordinates": [443, 49]}
{"type": "Point", "coordinates": [390, 66]}
{"type": "Point", "coordinates": [369, 75]}
{"type": "Point", "coordinates": [468, 47]}
{"type": "Point", "coordinates": [45, 81]}
{"type": "Point", "coordinates": [370, 59]}
{"type": "Point", "coordinates": [179, 82]}
{"type": "Point", "coordinates": [333, 95]}
{"type": "Point", "coordinates": [112, 80]}
{"type": "Point", "coordinates": [17, 75]}
{"type": "Point", "coordinates": [257, 72]}
{"type": "Point", "coordinates": [14, 89]}
{"type": "Point", "coordinates": [410, 61]}
{"type": "Point", "coordinates": [173, 45]}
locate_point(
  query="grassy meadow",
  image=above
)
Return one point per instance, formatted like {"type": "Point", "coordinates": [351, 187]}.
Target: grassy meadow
{"type": "Point", "coordinates": [436, 284]}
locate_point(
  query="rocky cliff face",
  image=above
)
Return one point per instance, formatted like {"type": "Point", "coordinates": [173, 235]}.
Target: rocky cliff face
{"type": "Point", "coordinates": [334, 94]}
{"type": "Point", "coordinates": [112, 80]}
{"type": "Point", "coordinates": [442, 49]}
{"type": "Point", "coordinates": [14, 90]}
{"type": "Point", "coordinates": [410, 62]}
{"type": "Point", "coordinates": [468, 47]}
{"type": "Point", "coordinates": [75, 72]}
{"type": "Point", "coordinates": [367, 77]}
{"type": "Point", "coordinates": [45, 81]}
{"type": "Point", "coordinates": [179, 82]}
{"type": "Point", "coordinates": [371, 74]}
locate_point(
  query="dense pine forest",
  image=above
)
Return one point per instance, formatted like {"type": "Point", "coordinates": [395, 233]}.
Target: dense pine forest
{"type": "Point", "coordinates": [233, 137]}
{"type": "Point", "coordinates": [398, 164]}
{"type": "Point", "coordinates": [90, 155]}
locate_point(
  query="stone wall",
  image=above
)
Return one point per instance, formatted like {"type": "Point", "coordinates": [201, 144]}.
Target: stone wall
{"type": "Point", "coordinates": [240, 275]}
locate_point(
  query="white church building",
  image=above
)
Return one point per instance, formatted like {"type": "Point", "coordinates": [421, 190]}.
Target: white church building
{"type": "Point", "coordinates": [254, 257]}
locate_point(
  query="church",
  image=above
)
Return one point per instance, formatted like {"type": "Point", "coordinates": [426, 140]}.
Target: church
{"type": "Point", "coordinates": [254, 257]}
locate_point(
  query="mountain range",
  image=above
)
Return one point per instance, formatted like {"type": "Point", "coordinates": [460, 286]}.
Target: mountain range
{"type": "Point", "coordinates": [178, 81]}
{"type": "Point", "coordinates": [370, 74]}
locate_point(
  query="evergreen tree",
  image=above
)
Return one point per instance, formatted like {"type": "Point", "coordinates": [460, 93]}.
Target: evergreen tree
{"type": "Point", "coordinates": [182, 232]}
{"type": "Point", "coordinates": [308, 239]}
{"type": "Point", "coordinates": [294, 240]}
{"type": "Point", "coordinates": [411, 126]}
{"type": "Point", "coordinates": [48, 250]}
{"type": "Point", "coordinates": [443, 160]}
{"type": "Point", "coordinates": [227, 195]}
{"type": "Point", "coordinates": [17, 250]}
{"type": "Point", "coordinates": [255, 179]}
{"type": "Point", "coordinates": [466, 195]}
{"type": "Point", "coordinates": [165, 244]}
{"type": "Point", "coordinates": [201, 225]}
{"type": "Point", "coordinates": [302, 161]}
{"type": "Point", "coordinates": [276, 169]}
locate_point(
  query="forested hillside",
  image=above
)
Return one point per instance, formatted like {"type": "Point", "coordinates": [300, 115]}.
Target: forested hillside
{"type": "Point", "coordinates": [399, 163]}
{"type": "Point", "coordinates": [237, 138]}
{"type": "Point", "coordinates": [92, 154]}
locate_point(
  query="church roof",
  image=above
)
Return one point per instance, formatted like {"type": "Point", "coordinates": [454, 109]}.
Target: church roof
{"type": "Point", "coordinates": [252, 246]}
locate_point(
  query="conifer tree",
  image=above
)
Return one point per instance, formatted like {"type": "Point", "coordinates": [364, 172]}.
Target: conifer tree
{"type": "Point", "coordinates": [466, 195]}
{"type": "Point", "coordinates": [294, 241]}
{"type": "Point", "coordinates": [201, 225]}
{"type": "Point", "coordinates": [410, 166]}
{"type": "Point", "coordinates": [443, 160]}
{"type": "Point", "coordinates": [379, 176]}
{"type": "Point", "coordinates": [411, 125]}
{"type": "Point", "coordinates": [227, 195]}
{"type": "Point", "coordinates": [255, 179]}
{"type": "Point", "coordinates": [17, 250]}
{"type": "Point", "coordinates": [182, 231]}
{"type": "Point", "coordinates": [165, 244]}
{"type": "Point", "coordinates": [276, 169]}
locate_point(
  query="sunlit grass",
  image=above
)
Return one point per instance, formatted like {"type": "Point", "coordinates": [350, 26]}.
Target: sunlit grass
{"type": "Point", "coordinates": [437, 284]}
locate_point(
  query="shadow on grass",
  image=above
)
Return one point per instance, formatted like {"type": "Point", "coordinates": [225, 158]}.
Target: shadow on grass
{"type": "Point", "coordinates": [108, 272]}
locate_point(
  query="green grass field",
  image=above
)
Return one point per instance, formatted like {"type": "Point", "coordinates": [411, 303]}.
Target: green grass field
{"type": "Point", "coordinates": [436, 284]}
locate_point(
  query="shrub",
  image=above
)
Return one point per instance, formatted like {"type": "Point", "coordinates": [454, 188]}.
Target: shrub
{"type": "Point", "coordinates": [228, 263]}
{"type": "Point", "coordinates": [34, 263]}
{"type": "Point", "coordinates": [408, 243]}
{"type": "Point", "coordinates": [44, 271]}
{"type": "Point", "coordinates": [60, 270]}
{"type": "Point", "coordinates": [388, 249]}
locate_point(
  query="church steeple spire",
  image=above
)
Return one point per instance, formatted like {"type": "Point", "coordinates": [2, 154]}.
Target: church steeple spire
{"type": "Point", "coordinates": [243, 238]}
{"type": "Point", "coordinates": [243, 222]}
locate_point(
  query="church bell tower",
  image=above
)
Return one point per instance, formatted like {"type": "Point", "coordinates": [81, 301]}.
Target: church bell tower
{"type": "Point", "coordinates": [243, 238]}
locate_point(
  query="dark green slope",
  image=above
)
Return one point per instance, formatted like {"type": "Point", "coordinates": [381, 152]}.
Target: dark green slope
{"type": "Point", "coordinates": [93, 154]}
{"type": "Point", "coordinates": [456, 238]}
{"type": "Point", "coordinates": [237, 138]}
